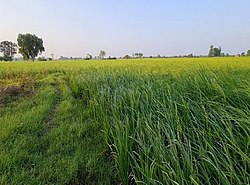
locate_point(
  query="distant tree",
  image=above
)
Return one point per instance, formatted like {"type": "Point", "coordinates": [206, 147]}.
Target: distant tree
{"type": "Point", "coordinates": [138, 55]}
{"type": "Point", "coordinates": [30, 46]}
{"type": "Point", "coordinates": [217, 52]}
{"type": "Point", "coordinates": [127, 57]}
{"type": "Point", "coordinates": [9, 49]}
{"type": "Point", "coordinates": [102, 54]}
{"type": "Point", "coordinates": [52, 56]}
{"type": "Point", "coordinates": [211, 51]}
{"type": "Point", "coordinates": [88, 57]}
{"type": "Point", "coordinates": [42, 59]}
{"type": "Point", "coordinates": [242, 54]}
{"type": "Point", "coordinates": [248, 52]}
{"type": "Point", "coordinates": [214, 52]}
{"type": "Point", "coordinates": [112, 58]}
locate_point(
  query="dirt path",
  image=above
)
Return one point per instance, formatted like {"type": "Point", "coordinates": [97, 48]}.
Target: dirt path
{"type": "Point", "coordinates": [50, 121]}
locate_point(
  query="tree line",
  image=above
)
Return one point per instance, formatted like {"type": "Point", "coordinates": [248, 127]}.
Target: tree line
{"type": "Point", "coordinates": [216, 52]}
{"type": "Point", "coordinates": [29, 46]}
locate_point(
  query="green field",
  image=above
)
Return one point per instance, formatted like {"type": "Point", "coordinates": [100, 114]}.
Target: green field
{"type": "Point", "coordinates": [141, 121]}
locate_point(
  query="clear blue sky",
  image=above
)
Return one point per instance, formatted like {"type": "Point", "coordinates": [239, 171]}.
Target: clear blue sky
{"type": "Point", "coordinates": [166, 27]}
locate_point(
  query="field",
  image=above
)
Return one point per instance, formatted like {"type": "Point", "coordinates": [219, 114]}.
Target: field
{"type": "Point", "coordinates": [141, 121]}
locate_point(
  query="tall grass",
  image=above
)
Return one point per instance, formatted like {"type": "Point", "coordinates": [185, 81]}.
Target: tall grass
{"type": "Point", "coordinates": [190, 128]}
{"type": "Point", "coordinates": [174, 121]}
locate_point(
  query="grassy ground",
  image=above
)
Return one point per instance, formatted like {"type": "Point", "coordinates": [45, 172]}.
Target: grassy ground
{"type": "Point", "coordinates": [159, 121]}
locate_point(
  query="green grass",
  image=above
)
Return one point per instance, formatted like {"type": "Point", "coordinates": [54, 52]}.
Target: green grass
{"type": "Point", "coordinates": [157, 121]}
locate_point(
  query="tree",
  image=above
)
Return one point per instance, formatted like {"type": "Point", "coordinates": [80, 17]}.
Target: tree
{"type": "Point", "coordinates": [88, 57]}
{"type": "Point", "coordinates": [52, 56]}
{"type": "Point", "coordinates": [214, 52]}
{"type": "Point", "coordinates": [112, 58]}
{"type": "Point", "coordinates": [248, 53]}
{"type": "Point", "coordinates": [217, 52]}
{"type": "Point", "coordinates": [126, 57]}
{"type": "Point", "coordinates": [211, 51]}
{"type": "Point", "coordinates": [30, 46]}
{"type": "Point", "coordinates": [138, 55]}
{"type": "Point", "coordinates": [102, 54]}
{"type": "Point", "coordinates": [9, 49]}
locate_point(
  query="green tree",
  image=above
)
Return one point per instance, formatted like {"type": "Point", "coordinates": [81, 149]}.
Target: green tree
{"type": "Point", "coordinates": [9, 49]}
{"type": "Point", "coordinates": [217, 52]}
{"type": "Point", "coordinates": [138, 55]}
{"type": "Point", "coordinates": [248, 53]}
{"type": "Point", "coordinates": [127, 57]}
{"type": "Point", "coordinates": [30, 46]}
{"type": "Point", "coordinates": [211, 51]}
{"type": "Point", "coordinates": [88, 57]}
{"type": "Point", "coordinates": [102, 54]}
{"type": "Point", "coordinates": [214, 52]}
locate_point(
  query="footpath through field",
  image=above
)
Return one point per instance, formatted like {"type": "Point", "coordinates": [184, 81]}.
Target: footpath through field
{"type": "Point", "coordinates": [47, 138]}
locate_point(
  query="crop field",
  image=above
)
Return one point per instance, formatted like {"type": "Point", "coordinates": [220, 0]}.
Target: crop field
{"type": "Point", "coordinates": [138, 121]}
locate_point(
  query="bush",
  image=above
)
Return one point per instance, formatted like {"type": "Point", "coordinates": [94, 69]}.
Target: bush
{"type": "Point", "coordinates": [111, 58]}
{"type": "Point", "coordinates": [6, 58]}
{"type": "Point", "coordinates": [41, 59]}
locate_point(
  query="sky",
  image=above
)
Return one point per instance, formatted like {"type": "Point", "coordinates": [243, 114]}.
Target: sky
{"type": "Point", "coordinates": [119, 27]}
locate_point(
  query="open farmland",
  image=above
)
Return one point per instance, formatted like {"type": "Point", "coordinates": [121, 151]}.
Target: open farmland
{"type": "Point", "coordinates": [145, 121]}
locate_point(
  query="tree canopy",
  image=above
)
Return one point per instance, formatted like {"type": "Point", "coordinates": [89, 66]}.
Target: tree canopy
{"type": "Point", "coordinates": [9, 49]}
{"type": "Point", "coordinates": [102, 54]}
{"type": "Point", "coordinates": [214, 52]}
{"type": "Point", "coordinates": [138, 55]}
{"type": "Point", "coordinates": [30, 46]}
{"type": "Point", "coordinates": [88, 57]}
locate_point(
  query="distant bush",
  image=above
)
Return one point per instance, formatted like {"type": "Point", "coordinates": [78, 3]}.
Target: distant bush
{"type": "Point", "coordinates": [41, 59]}
{"type": "Point", "coordinates": [6, 58]}
{"type": "Point", "coordinates": [128, 57]}
{"type": "Point", "coordinates": [111, 58]}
